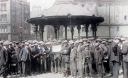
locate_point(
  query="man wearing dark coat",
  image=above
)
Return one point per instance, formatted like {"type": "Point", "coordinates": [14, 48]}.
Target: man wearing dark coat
{"type": "Point", "coordinates": [109, 47]}
{"type": "Point", "coordinates": [35, 53]}
{"type": "Point", "coordinates": [3, 61]}
{"type": "Point", "coordinates": [125, 58]}
{"type": "Point", "coordinates": [12, 58]}
{"type": "Point", "coordinates": [98, 56]}
{"type": "Point", "coordinates": [114, 58]}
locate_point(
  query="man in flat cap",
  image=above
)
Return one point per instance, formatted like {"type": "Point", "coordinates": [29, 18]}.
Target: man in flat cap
{"type": "Point", "coordinates": [23, 57]}
{"type": "Point", "coordinates": [80, 62]}
{"type": "Point", "coordinates": [98, 57]}
{"type": "Point", "coordinates": [115, 58]}
{"type": "Point", "coordinates": [87, 59]}
{"type": "Point", "coordinates": [125, 58]}
{"type": "Point", "coordinates": [65, 57]}
{"type": "Point", "coordinates": [105, 56]}
{"type": "Point", "coordinates": [73, 61]}
{"type": "Point", "coordinates": [3, 61]}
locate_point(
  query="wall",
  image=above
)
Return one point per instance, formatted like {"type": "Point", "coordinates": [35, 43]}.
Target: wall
{"type": "Point", "coordinates": [116, 17]}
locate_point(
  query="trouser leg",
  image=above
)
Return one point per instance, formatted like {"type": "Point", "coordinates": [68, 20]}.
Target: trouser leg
{"type": "Point", "coordinates": [23, 68]}
{"type": "Point", "coordinates": [19, 68]}
{"type": "Point", "coordinates": [80, 70]}
{"type": "Point", "coordinates": [90, 69]}
{"type": "Point", "coordinates": [71, 68]}
{"type": "Point", "coordinates": [115, 69]}
{"type": "Point", "coordinates": [66, 69]}
{"type": "Point", "coordinates": [100, 70]}
{"type": "Point", "coordinates": [59, 70]}
{"type": "Point", "coordinates": [36, 65]}
{"type": "Point", "coordinates": [45, 65]}
{"type": "Point", "coordinates": [5, 71]}
{"type": "Point", "coordinates": [125, 68]}
{"type": "Point", "coordinates": [55, 66]}
{"type": "Point", "coordinates": [63, 64]}
{"type": "Point", "coordinates": [75, 69]}
{"type": "Point", "coordinates": [41, 65]}
{"type": "Point", "coordinates": [29, 66]}
{"type": "Point", "coordinates": [52, 67]}
{"type": "Point", "coordinates": [85, 70]}
{"type": "Point", "coordinates": [111, 67]}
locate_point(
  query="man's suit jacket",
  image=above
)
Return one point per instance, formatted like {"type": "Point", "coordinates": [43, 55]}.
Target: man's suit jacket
{"type": "Point", "coordinates": [98, 54]}
{"type": "Point", "coordinates": [114, 56]}
{"type": "Point", "coordinates": [73, 54]}
{"type": "Point", "coordinates": [23, 54]}
{"type": "Point", "coordinates": [125, 52]}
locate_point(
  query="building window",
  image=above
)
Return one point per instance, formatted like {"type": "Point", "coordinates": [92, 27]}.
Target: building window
{"type": "Point", "coordinates": [3, 17]}
{"type": "Point", "coordinates": [5, 29]}
{"type": "Point", "coordinates": [3, 7]}
{"type": "Point", "coordinates": [2, 29]}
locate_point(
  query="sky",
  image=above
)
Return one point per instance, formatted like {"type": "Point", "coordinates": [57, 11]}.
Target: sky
{"type": "Point", "coordinates": [45, 4]}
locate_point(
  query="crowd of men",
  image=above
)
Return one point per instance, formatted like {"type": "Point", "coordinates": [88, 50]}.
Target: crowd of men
{"type": "Point", "coordinates": [78, 58]}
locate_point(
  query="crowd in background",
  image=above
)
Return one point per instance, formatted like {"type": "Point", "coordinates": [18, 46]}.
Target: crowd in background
{"type": "Point", "coordinates": [78, 58]}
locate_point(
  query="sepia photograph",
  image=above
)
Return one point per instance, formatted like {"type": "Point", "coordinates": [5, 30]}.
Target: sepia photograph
{"type": "Point", "coordinates": [63, 38]}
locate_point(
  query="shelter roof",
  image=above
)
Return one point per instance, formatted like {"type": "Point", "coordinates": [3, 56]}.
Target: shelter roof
{"type": "Point", "coordinates": [65, 20]}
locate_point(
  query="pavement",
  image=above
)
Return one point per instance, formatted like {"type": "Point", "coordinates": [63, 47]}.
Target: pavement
{"type": "Point", "coordinates": [57, 75]}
